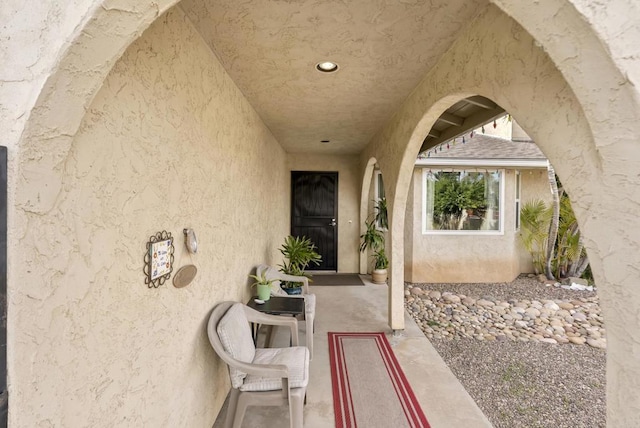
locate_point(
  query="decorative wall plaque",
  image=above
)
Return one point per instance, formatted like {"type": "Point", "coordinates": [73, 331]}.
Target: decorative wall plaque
{"type": "Point", "coordinates": [158, 259]}
{"type": "Point", "coordinates": [184, 276]}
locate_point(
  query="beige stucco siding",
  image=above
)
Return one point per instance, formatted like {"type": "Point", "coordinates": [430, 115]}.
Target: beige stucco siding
{"type": "Point", "coordinates": [535, 185]}
{"type": "Point", "coordinates": [468, 257]}
{"type": "Point", "coordinates": [568, 70]}
{"type": "Point", "coordinates": [348, 200]}
{"type": "Point", "coordinates": [169, 142]}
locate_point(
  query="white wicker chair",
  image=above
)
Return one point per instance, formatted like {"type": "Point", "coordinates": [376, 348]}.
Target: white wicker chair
{"type": "Point", "coordinates": [309, 298]}
{"type": "Point", "coordinates": [259, 377]}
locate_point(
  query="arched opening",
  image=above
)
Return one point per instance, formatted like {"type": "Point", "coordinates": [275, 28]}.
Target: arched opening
{"type": "Point", "coordinates": [365, 207]}
{"type": "Point", "coordinates": [129, 151]}
{"type": "Point", "coordinates": [599, 157]}
{"type": "Point", "coordinates": [463, 250]}
{"type": "Point", "coordinates": [579, 145]}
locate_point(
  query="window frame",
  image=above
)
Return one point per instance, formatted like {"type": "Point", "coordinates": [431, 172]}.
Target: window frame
{"type": "Point", "coordinates": [378, 191]}
{"type": "Point", "coordinates": [518, 198]}
{"type": "Point", "coordinates": [499, 232]}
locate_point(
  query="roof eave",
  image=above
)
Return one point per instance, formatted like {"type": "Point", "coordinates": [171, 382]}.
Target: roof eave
{"type": "Point", "coordinates": [481, 163]}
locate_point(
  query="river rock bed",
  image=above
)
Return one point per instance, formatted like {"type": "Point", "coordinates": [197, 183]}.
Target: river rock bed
{"type": "Point", "coordinates": [517, 379]}
{"type": "Point", "coordinates": [449, 315]}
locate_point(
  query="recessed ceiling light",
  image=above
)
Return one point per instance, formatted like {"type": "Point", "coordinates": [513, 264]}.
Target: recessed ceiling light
{"type": "Point", "coordinates": [327, 66]}
{"type": "Point", "coordinates": [325, 141]}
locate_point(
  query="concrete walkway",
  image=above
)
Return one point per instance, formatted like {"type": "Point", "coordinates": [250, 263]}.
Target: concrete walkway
{"type": "Point", "coordinates": [364, 309]}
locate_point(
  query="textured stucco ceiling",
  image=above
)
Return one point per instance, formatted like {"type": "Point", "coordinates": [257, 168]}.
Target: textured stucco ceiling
{"type": "Point", "coordinates": [383, 47]}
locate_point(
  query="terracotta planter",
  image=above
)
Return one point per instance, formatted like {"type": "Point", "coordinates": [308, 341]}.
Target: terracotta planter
{"type": "Point", "coordinates": [379, 276]}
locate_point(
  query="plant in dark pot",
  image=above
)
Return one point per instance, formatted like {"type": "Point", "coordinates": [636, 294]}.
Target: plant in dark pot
{"type": "Point", "coordinates": [373, 239]}
{"type": "Point", "coordinates": [298, 253]}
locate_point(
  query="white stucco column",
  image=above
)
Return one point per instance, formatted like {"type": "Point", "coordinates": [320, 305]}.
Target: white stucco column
{"type": "Point", "coordinates": [595, 47]}
{"type": "Point", "coordinates": [396, 272]}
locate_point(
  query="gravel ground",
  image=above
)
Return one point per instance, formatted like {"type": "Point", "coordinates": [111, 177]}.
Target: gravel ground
{"type": "Point", "coordinates": [527, 384]}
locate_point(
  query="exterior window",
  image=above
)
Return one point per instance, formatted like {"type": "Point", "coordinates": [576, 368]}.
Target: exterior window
{"type": "Point", "coordinates": [517, 200]}
{"type": "Point", "coordinates": [379, 186]}
{"type": "Point", "coordinates": [379, 191]}
{"type": "Point", "coordinates": [463, 202]}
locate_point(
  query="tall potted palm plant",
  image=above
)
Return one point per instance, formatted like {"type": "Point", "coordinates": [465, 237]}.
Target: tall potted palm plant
{"type": "Point", "coordinates": [374, 239]}
{"type": "Point", "coordinates": [298, 253]}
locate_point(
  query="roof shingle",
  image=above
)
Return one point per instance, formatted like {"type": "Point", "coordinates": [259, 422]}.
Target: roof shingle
{"type": "Point", "coordinates": [482, 146]}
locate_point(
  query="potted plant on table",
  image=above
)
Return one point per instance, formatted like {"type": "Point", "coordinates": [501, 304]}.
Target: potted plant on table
{"type": "Point", "coordinates": [263, 286]}
{"type": "Point", "coordinates": [298, 253]}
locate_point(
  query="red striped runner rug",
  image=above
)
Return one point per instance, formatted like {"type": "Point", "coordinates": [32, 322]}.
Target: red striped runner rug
{"type": "Point", "coordinates": [369, 388]}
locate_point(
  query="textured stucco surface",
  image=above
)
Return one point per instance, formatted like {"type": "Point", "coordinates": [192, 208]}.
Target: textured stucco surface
{"type": "Point", "coordinates": [168, 142]}
{"type": "Point", "coordinates": [367, 172]}
{"type": "Point", "coordinates": [595, 47]}
{"type": "Point", "coordinates": [469, 257]}
{"type": "Point", "coordinates": [270, 49]}
{"type": "Point", "coordinates": [348, 204]}
{"type": "Point", "coordinates": [582, 70]}
{"type": "Point", "coordinates": [503, 62]}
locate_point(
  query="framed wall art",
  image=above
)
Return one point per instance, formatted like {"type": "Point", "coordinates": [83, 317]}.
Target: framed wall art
{"type": "Point", "coordinates": [158, 259]}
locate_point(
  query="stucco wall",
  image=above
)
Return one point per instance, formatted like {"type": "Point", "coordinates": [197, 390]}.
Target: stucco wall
{"type": "Point", "coordinates": [348, 208]}
{"type": "Point", "coordinates": [468, 257]}
{"type": "Point", "coordinates": [55, 55]}
{"type": "Point", "coordinates": [168, 142]}
{"type": "Point", "coordinates": [555, 75]}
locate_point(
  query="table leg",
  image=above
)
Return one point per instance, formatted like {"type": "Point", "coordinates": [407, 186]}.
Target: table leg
{"type": "Point", "coordinates": [255, 327]}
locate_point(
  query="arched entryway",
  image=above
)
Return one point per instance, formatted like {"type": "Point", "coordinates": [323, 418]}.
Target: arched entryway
{"type": "Point", "coordinates": [552, 109]}
{"type": "Point", "coordinates": [116, 153]}
{"type": "Point", "coordinates": [578, 104]}
{"type": "Point", "coordinates": [365, 206]}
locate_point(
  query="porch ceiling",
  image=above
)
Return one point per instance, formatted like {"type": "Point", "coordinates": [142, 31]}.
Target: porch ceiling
{"type": "Point", "coordinates": [465, 115]}
{"type": "Point", "coordinates": [383, 48]}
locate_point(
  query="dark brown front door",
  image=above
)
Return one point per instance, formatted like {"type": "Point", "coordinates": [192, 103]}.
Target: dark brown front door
{"type": "Point", "coordinates": [314, 213]}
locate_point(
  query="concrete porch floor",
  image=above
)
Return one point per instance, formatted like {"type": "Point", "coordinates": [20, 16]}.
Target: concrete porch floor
{"type": "Point", "coordinates": [364, 308]}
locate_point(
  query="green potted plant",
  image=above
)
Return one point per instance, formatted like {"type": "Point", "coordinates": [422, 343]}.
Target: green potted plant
{"type": "Point", "coordinates": [380, 265]}
{"type": "Point", "coordinates": [298, 253]}
{"type": "Point", "coordinates": [263, 286]}
{"type": "Point", "coordinates": [373, 239]}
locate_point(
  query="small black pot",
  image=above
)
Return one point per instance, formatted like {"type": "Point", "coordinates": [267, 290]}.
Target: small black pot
{"type": "Point", "coordinates": [293, 291]}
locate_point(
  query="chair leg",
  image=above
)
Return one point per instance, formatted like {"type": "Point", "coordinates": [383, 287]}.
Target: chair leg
{"type": "Point", "coordinates": [296, 407]}
{"type": "Point", "coordinates": [268, 336]}
{"type": "Point", "coordinates": [241, 408]}
{"type": "Point", "coordinates": [310, 329]}
{"type": "Point", "coordinates": [231, 408]}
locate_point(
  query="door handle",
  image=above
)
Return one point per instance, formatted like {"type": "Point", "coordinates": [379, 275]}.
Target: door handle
{"type": "Point", "coordinates": [333, 222]}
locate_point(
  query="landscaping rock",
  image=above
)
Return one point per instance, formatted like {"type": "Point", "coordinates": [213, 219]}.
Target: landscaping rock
{"type": "Point", "coordinates": [448, 315]}
{"type": "Point", "coordinates": [597, 343]}
{"type": "Point", "coordinates": [451, 298]}
{"type": "Point", "coordinates": [574, 280]}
